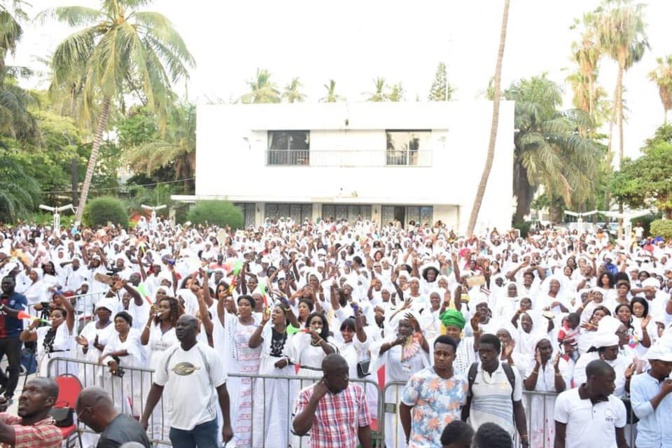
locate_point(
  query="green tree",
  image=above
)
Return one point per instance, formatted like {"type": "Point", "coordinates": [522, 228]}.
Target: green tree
{"type": "Point", "coordinates": [549, 150]}
{"type": "Point", "coordinates": [586, 54]}
{"type": "Point", "coordinates": [646, 181]}
{"type": "Point", "coordinates": [332, 96]}
{"type": "Point", "coordinates": [262, 89]}
{"type": "Point", "coordinates": [480, 191]}
{"type": "Point", "coordinates": [119, 50]}
{"type": "Point", "coordinates": [622, 35]}
{"type": "Point", "coordinates": [396, 93]}
{"type": "Point", "coordinates": [176, 150]}
{"type": "Point", "coordinates": [662, 76]}
{"type": "Point", "coordinates": [102, 210]}
{"type": "Point", "coordinates": [441, 90]}
{"type": "Point", "coordinates": [379, 93]}
{"type": "Point", "coordinates": [221, 213]}
{"type": "Point", "coordinates": [293, 92]}
{"type": "Point", "coordinates": [19, 192]}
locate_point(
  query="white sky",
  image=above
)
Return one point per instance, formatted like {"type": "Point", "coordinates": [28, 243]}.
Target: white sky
{"type": "Point", "coordinates": [354, 41]}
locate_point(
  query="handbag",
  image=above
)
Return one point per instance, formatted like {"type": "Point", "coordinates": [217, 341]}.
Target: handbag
{"type": "Point", "coordinates": [364, 368]}
{"type": "Point", "coordinates": [63, 416]}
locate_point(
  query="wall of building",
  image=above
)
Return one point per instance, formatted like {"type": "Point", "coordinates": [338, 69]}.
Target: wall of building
{"type": "Point", "coordinates": [232, 144]}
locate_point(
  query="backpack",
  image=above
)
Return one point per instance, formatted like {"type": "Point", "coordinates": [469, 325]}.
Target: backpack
{"type": "Point", "coordinates": [508, 371]}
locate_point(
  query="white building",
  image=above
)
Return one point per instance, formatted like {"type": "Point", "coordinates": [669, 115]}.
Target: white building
{"type": "Point", "coordinates": [382, 161]}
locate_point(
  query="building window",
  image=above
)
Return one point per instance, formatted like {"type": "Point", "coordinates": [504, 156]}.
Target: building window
{"type": "Point", "coordinates": [288, 148]}
{"type": "Point", "coordinates": [248, 212]}
{"type": "Point", "coordinates": [350, 213]}
{"type": "Point", "coordinates": [419, 215]}
{"type": "Point", "coordinates": [298, 212]}
{"type": "Point", "coordinates": [405, 148]}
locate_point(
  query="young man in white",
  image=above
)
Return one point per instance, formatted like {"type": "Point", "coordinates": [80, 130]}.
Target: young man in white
{"type": "Point", "coordinates": [590, 413]}
{"type": "Point", "coordinates": [194, 378]}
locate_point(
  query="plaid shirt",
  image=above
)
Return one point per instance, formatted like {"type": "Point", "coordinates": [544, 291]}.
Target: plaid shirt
{"type": "Point", "coordinates": [42, 434]}
{"type": "Point", "coordinates": [337, 418]}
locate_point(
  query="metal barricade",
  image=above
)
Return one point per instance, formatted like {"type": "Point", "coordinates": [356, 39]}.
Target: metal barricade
{"type": "Point", "coordinates": [128, 392]}
{"type": "Point", "coordinates": [273, 397]}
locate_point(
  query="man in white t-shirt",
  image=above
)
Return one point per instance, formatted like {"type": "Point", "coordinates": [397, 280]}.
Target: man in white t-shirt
{"type": "Point", "coordinates": [590, 413]}
{"type": "Point", "coordinates": [190, 372]}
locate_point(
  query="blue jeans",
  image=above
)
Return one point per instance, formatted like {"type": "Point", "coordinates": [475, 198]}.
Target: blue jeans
{"type": "Point", "coordinates": [202, 436]}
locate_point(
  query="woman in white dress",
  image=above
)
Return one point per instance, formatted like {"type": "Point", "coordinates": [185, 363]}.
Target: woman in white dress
{"type": "Point", "coordinates": [545, 373]}
{"type": "Point", "coordinates": [36, 293]}
{"type": "Point", "coordinates": [272, 403]}
{"type": "Point", "coordinates": [92, 340]}
{"type": "Point", "coordinates": [159, 334]}
{"type": "Point", "coordinates": [54, 341]}
{"type": "Point", "coordinates": [124, 349]}
{"type": "Point", "coordinates": [402, 355]}
{"type": "Point", "coordinates": [245, 361]}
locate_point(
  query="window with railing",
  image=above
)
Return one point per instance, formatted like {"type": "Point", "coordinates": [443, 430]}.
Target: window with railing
{"type": "Point", "coordinates": [405, 148]}
{"type": "Point", "coordinates": [288, 148]}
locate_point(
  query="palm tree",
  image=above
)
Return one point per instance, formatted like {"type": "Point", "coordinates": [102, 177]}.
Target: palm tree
{"type": "Point", "coordinates": [480, 192]}
{"type": "Point", "coordinates": [662, 76]}
{"type": "Point", "coordinates": [379, 94]}
{"type": "Point", "coordinates": [177, 149]}
{"type": "Point", "coordinates": [622, 35]}
{"type": "Point", "coordinates": [549, 150]}
{"type": "Point", "coordinates": [292, 91]}
{"type": "Point", "coordinates": [120, 50]}
{"type": "Point", "coordinates": [19, 192]}
{"type": "Point", "coordinates": [586, 53]}
{"type": "Point", "coordinates": [332, 96]}
{"type": "Point", "coordinates": [262, 89]}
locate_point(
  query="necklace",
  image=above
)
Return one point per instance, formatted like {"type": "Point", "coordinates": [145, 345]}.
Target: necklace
{"type": "Point", "coordinates": [123, 338]}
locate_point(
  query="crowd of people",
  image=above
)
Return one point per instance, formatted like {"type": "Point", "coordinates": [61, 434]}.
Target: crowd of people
{"type": "Point", "coordinates": [458, 328]}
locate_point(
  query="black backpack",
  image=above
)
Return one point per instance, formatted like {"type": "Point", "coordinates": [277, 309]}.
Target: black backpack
{"type": "Point", "coordinates": [508, 371]}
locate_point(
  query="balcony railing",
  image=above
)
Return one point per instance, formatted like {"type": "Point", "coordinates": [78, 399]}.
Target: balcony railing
{"type": "Point", "coordinates": [348, 158]}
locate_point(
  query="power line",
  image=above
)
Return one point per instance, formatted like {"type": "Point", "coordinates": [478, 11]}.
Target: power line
{"type": "Point", "coordinates": [122, 187]}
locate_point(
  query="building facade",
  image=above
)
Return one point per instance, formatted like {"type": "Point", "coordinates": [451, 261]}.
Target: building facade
{"type": "Point", "coordinates": [385, 162]}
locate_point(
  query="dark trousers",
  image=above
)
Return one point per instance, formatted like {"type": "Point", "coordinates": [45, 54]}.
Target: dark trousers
{"type": "Point", "coordinates": [202, 436]}
{"type": "Point", "coordinates": [12, 348]}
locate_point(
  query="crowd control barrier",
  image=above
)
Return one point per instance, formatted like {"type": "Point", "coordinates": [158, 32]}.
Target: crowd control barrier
{"type": "Point", "coordinates": [272, 405]}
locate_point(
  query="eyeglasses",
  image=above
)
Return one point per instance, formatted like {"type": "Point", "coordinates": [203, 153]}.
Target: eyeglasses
{"type": "Point", "coordinates": [80, 413]}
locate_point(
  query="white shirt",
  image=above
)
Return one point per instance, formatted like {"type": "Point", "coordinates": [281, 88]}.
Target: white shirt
{"type": "Point", "coordinates": [190, 379]}
{"type": "Point", "coordinates": [588, 424]}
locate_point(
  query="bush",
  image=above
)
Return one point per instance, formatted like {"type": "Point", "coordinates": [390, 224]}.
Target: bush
{"type": "Point", "coordinates": [100, 211]}
{"type": "Point", "coordinates": [220, 213]}
{"type": "Point", "coordinates": [524, 228]}
{"type": "Point", "coordinates": [662, 227]}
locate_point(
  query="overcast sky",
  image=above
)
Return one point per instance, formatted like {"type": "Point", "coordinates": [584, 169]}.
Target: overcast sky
{"type": "Point", "coordinates": [354, 41]}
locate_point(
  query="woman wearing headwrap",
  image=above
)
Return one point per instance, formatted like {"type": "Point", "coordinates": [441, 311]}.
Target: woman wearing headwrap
{"type": "Point", "coordinates": [93, 338]}
{"type": "Point", "coordinates": [125, 350]}
{"type": "Point", "coordinates": [508, 301]}
{"type": "Point", "coordinates": [402, 354]}
{"type": "Point", "coordinates": [608, 345]}
{"type": "Point", "coordinates": [552, 297]}
{"type": "Point", "coordinates": [454, 322]}
{"type": "Point", "coordinates": [545, 373]}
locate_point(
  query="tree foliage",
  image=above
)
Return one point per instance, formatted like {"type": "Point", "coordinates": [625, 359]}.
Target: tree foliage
{"type": "Point", "coordinates": [662, 227]}
{"type": "Point", "coordinates": [331, 96]}
{"type": "Point", "coordinates": [221, 213]}
{"type": "Point", "coordinates": [646, 181]}
{"type": "Point", "coordinates": [441, 90]}
{"type": "Point", "coordinates": [262, 89]}
{"type": "Point", "coordinates": [662, 76]}
{"type": "Point", "coordinates": [549, 149]}
{"type": "Point", "coordinates": [102, 210]}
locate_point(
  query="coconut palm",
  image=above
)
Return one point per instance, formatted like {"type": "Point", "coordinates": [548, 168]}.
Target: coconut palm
{"type": "Point", "coordinates": [293, 92]}
{"type": "Point", "coordinates": [622, 35]}
{"type": "Point", "coordinates": [177, 149]}
{"type": "Point", "coordinates": [332, 96]}
{"type": "Point", "coordinates": [549, 149]}
{"type": "Point", "coordinates": [396, 93]}
{"type": "Point", "coordinates": [262, 89]}
{"type": "Point", "coordinates": [480, 191]}
{"type": "Point", "coordinates": [379, 93]}
{"type": "Point", "coordinates": [119, 50]}
{"type": "Point", "coordinates": [662, 76]}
